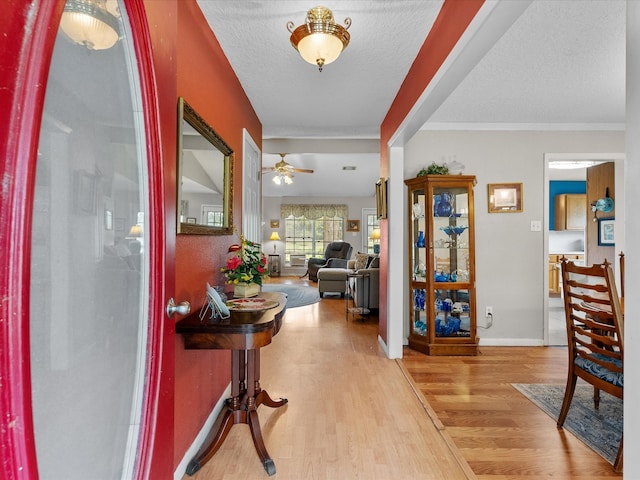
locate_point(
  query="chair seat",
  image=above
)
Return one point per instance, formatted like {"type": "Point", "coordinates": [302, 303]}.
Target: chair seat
{"type": "Point", "coordinates": [597, 370]}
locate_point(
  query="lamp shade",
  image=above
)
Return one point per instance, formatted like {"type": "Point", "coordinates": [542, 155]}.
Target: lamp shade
{"type": "Point", "coordinates": [88, 23]}
{"type": "Point", "coordinates": [135, 231]}
{"type": "Point", "coordinates": [375, 234]}
{"type": "Point", "coordinates": [274, 236]}
{"type": "Point", "coordinates": [320, 40]}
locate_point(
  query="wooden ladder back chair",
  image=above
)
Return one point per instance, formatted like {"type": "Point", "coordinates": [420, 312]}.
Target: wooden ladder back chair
{"type": "Point", "coordinates": [595, 334]}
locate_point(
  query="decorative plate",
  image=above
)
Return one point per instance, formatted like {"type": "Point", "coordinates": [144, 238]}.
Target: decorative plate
{"type": "Point", "coordinates": [251, 304]}
{"type": "Point", "coordinates": [605, 204]}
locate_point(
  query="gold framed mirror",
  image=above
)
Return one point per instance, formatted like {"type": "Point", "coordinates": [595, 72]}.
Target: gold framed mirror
{"type": "Point", "coordinates": [205, 177]}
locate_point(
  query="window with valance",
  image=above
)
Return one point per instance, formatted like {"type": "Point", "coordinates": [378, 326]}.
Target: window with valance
{"type": "Point", "coordinates": [313, 211]}
{"type": "Point", "coordinates": [309, 228]}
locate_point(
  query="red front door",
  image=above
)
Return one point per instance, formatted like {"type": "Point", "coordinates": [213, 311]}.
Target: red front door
{"type": "Point", "coordinates": [86, 352]}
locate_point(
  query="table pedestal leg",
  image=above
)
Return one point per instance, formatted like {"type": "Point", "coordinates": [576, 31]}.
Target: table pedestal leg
{"type": "Point", "coordinates": [241, 408]}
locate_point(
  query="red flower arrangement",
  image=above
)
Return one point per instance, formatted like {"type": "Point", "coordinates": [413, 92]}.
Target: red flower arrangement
{"type": "Point", "coordinates": [247, 265]}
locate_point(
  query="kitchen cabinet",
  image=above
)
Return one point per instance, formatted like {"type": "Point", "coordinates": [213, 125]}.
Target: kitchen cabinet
{"type": "Point", "coordinates": [570, 211]}
{"type": "Point", "coordinates": [442, 293]}
{"type": "Point", "coordinates": [554, 270]}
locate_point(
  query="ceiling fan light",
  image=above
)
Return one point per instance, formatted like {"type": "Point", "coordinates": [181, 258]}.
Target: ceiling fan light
{"type": "Point", "coordinates": [320, 40]}
{"type": "Point", "coordinates": [277, 180]}
{"type": "Point", "coordinates": [88, 23]}
{"type": "Point", "coordinates": [288, 180]}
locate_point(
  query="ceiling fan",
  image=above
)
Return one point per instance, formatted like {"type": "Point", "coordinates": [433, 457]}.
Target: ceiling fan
{"type": "Point", "coordinates": [284, 171]}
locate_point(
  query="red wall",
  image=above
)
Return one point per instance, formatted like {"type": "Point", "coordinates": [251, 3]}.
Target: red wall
{"type": "Point", "coordinates": [453, 19]}
{"type": "Point", "coordinates": [207, 81]}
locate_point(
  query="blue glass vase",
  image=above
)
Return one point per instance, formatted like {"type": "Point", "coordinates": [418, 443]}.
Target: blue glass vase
{"type": "Point", "coordinates": [420, 243]}
{"type": "Point", "coordinates": [444, 207]}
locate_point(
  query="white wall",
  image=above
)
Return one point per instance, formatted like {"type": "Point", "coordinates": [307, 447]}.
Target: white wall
{"type": "Point", "coordinates": [632, 233]}
{"type": "Point", "coordinates": [271, 211]}
{"type": "Point", "coordinates": [510, 261]}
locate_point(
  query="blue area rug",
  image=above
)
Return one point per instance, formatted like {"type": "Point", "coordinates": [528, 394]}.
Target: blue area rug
{"type": "Point", "coordinates": [600, 429]}
{"type": "Point", "coordinates": [297, 295]}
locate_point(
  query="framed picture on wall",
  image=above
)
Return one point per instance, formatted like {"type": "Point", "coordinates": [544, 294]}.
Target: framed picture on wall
{"type": "Point", "coordinates": [353, 225]}
{"type": "Point", "coordinates": [606, 232]}
{"type": "Point", "coordinates": [274, 223]}
{"type": "Point", "coordinates": [505, 197]}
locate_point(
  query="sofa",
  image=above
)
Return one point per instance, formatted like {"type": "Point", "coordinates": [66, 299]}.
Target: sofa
{"type": "Point", "coordinates": [335, 279]}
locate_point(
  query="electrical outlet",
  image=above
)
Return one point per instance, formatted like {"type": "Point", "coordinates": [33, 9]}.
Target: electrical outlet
{"type": "Point", "coordinates": [488, 312]}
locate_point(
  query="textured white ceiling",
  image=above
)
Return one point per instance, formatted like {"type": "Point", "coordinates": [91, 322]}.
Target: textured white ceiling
{"type": "Point", "coordinates": [561, 64]}
{"type": "Point", "coordinates": [350, 97]}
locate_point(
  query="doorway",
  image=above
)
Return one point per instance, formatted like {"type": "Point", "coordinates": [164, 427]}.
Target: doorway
{"type": "Point", "coordinates": [566, 243]}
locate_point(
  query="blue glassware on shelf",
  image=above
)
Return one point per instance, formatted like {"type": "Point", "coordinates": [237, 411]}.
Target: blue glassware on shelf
{"type": "Point", "coordinates": [444, 208]}
{"type": "Point", "coordinates": [419, 297]}
{"type": "Point", "coordinates": [420, 243]}
{"type": "Point", "coordinates": [440, 277]}
{"type": "Point", "coordinates": [453, 229]}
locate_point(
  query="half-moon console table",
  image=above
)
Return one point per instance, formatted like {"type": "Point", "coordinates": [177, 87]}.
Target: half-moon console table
{"type": "Point", "coordinates": [244, 333]}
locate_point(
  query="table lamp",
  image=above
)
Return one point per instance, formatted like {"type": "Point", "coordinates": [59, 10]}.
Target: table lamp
{"type": "Point", "coordinates": [274, 237]}
{"type": "Point", "coordinates": [375, 235]}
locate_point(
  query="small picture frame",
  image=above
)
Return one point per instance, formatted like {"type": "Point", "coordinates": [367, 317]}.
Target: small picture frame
{"type": "Point", "coordinates": [353, 225]}
{"type": "Point", "coordinates": [505, 197]}
{"type": "Point", "coordinates": [191, 220]}
{"type": "Point", "coordinates": [606, 232]}
{"type": "Point", "coordinates": [274, 223]}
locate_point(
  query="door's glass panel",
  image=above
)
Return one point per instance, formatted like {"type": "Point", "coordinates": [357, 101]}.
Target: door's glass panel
{"type": "Point", "coordinates": [89, 265]}
{"type": "Point", "coordinates": [452, 313]}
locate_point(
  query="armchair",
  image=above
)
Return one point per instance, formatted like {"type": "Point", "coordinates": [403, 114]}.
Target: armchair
{"type": "Point", "coordinates": [336, 255]}
{"type": "Point", "coordinates": [358, 290]}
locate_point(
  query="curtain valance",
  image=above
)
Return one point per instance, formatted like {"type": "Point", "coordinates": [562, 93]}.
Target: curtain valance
{"type": "Point", "coordinates": [313, 212]}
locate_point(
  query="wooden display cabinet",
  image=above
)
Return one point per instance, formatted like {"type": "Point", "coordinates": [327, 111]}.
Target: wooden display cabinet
{"type": "Point", "coordinates": [442, 294]}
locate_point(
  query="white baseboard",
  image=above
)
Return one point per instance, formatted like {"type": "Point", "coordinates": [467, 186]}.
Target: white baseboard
{"type": "Point", "coordinates": [511, 342]}
{"type": "Point", "coordinates": [181, 469]}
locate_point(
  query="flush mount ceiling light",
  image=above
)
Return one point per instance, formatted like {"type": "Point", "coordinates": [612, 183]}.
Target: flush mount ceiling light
{"type": "Point", "coordinates": [320, 40]}
{"type": "Point", "coordinates": [91, 23]}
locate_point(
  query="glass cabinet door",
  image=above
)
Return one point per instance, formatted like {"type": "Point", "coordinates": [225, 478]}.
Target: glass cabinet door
{"type": "Point", "coordinates": [451, 260]}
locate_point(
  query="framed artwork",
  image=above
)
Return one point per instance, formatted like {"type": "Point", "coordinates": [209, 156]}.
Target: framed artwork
{"type": "Point", "coordinates": [505, 197]}
{"type": "Point", "coordinates": [353, 225]}
{"type": "Point", "coordinates": [274, 223]}
{"type": "Point", "coordinates": [381, 198]}
{"type": "Point", "coordinates": [606, 232]}
{"type": "Point", "coordinates": [191, 220]}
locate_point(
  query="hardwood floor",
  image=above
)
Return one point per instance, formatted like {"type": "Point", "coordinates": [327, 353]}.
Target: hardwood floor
{"type": "Point", "coordinates": [500, 433]}
{"type": "Point", "coordinates": [352, 413]}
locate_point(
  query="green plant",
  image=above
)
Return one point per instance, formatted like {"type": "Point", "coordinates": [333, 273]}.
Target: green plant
{"type": "Point", "coordinates": [247, 265]}
{"type": "Point", "coordinates": [434, 169]}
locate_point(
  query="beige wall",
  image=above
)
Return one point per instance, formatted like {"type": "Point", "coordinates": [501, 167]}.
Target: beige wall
{"type": "Point", "coordinates": [510, 258]}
